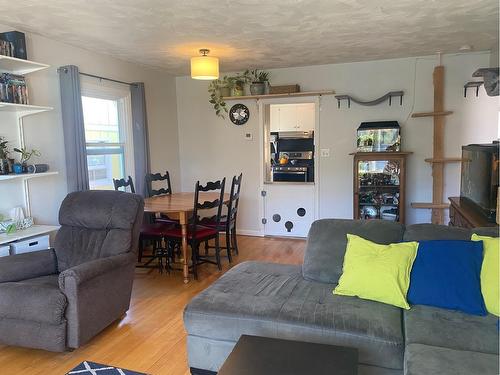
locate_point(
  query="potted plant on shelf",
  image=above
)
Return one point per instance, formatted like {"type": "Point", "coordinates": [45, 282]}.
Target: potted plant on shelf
{"type": "Point", "coordinates": [4, 153]}
{"type": "Point", "coordinates": [238, 81]}
{"type": "Point", "coordinates": [24, 158]}
{"type": "Point", "coordinates": [260, 82]}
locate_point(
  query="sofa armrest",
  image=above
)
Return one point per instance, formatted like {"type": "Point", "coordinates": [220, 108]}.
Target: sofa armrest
{"type": "Point", "coordinates": [94, 268]}
{"type": "Point", "coordinates": [27, 266]}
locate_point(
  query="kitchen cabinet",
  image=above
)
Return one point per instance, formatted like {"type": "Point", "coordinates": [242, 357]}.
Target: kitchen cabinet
{"type": "Point", "coordinates": [292, 117]}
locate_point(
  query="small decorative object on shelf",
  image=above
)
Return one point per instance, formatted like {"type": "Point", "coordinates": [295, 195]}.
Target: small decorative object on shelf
{"type": "Point", "coordinates": [4, 153]}
{"type": "Point", "coordinates": [286, 89]}
{"type": "Point", "coordinates": [25, 157]}
{"type": "Point", "coordinates": [380, 136]}
{"type": "Point", "coordinates": [13, 44]}
{"type": "Point", "coordinates": [379, 185]}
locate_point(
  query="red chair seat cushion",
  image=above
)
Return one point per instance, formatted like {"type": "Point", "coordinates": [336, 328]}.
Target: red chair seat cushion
{"type": "Point", "coordinates": [200, 233]}
{"type": "Point", "coordinates": [155, 229]}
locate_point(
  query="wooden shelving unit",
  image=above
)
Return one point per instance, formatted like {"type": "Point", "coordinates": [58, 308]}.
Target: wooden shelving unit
{"type": "Point", "coordinates": [23, 67]}
{"type": "Point", "coordinates": [290, 95]}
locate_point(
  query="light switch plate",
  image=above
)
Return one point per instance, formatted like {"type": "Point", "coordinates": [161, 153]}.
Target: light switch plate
{"type": "Point", "coordinates": [248, 136]}
{"type": "Point", "coordinates": [325, 152]}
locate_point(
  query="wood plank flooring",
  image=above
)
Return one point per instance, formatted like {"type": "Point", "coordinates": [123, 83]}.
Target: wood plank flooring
{"type": "Point", "coordinates": [151, 337]}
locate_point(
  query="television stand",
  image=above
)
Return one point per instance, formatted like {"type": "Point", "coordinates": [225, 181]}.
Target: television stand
{"type": "Point", "coordinates": [465, 215]}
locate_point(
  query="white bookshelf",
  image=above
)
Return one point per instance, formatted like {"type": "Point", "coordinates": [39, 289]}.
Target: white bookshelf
{"type": "Point", "coordinates": [23, 67]}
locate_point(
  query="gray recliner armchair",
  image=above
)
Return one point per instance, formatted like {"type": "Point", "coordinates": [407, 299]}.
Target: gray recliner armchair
{"type": "Point", "coordinates": [62, 297]}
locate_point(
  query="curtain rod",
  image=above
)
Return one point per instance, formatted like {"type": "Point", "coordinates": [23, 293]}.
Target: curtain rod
{"type": "Point", "coordinates": [107, 79]}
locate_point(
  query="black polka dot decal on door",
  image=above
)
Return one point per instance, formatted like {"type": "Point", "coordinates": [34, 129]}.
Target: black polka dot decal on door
{"type": "Point", "coordinates": [301, 211]}
{"type": "Point", "coordinates": [276, 218]}
{"type": "Point", "coordinates": [288, 226]}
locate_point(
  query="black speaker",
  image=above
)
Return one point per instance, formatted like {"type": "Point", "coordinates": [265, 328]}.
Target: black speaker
{"type": "Point", "coordinates": [38, 168]}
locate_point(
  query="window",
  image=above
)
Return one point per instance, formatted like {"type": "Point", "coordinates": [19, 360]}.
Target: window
{"type": "Point", "coordinates": [108, 134]}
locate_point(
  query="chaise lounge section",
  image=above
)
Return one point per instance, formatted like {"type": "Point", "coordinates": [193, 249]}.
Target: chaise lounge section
{"type": "Point", "coordinates": [296, 302]}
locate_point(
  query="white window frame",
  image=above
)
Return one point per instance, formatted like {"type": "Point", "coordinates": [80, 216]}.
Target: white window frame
{"type": "Point", "coordinates": [101, 89]}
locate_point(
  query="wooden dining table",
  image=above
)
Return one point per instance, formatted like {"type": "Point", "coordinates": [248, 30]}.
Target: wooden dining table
{"type": "Point", "coordinates": [180, 206]}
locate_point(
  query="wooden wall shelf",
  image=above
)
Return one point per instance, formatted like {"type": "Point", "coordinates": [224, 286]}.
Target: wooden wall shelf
{"type": "Point", "coordinates": [444, 160]}
{"type": "Point", "coordinates": [441, 206]}
{"type": "Point", "coordinates": [431, 114]}
{"type": "Point", "coordinates": [290, 95]}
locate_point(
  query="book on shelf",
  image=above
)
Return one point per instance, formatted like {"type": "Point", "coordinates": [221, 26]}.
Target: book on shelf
{"type": "Point", "coordinates": [13, 89]}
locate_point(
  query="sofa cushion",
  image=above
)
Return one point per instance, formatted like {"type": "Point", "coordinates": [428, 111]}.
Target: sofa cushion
{"type": "Point", "coordinates": [38, 299]}
{"type": "Point", "coordinates": [425, 360]}
{"type": "Point", "coordinates": [451, 329]}
{"type": "Point", "coordinates": [327, 241]}
{"type": "Point", "coordinates": [274, 300]}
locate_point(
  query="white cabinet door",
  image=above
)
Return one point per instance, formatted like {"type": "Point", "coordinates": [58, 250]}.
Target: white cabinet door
{"type": "Point", "coordinates": [306, 117]}
{"type": "Point", "coordinates": [274, 118]}
{"type": "Point", "coordinates": [288, 117]}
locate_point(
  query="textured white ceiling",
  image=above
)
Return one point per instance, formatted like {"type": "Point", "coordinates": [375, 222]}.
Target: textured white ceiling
{"type": "Point", "coordinates": [259, 33]}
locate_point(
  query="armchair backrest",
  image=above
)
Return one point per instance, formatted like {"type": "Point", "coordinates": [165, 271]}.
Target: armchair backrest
{"type": "Point", "coordinates": [97, 224]}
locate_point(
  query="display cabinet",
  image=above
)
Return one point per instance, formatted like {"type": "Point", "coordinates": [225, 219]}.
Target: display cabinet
{"type": "Point", "coordinates": [379, 185]}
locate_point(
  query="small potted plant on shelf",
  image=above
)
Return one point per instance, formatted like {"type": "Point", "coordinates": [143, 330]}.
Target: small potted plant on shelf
{"type": "Point", "coordinates": [238, 83]}
{"type": "Point", "coordinates": [25, 156]}
{"type": "Point", "coordinates": [4, 153]}
{"type": "Point", "coordinates": [260, 82]}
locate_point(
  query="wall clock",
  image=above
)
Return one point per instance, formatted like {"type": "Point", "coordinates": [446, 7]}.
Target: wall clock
{"type": "Point", "coordinates": [239, 114]}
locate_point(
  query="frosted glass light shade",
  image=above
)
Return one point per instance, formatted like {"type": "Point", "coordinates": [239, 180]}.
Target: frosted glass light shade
{"type": "Point", "coordinates": [204, 67]}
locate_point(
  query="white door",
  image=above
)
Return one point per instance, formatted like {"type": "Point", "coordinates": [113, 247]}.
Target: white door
{"type": "Point", "coordinates": [288, 117]}
{"type": "Point", "coordinates": [288, 209]}
{"type": "Point", "coordinates": [274, 121]}
{"type": "Point", "coordinates": [306, 117]}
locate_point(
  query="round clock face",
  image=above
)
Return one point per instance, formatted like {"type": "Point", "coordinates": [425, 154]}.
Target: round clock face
{"type": "Point", "coordinates": [239, 114]}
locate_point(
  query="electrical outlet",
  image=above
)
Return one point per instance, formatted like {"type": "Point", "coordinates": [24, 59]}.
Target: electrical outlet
{"type": "Point", "coordinates": [325, 152]}
{"type": "Point", "coordinates": [248, 136]}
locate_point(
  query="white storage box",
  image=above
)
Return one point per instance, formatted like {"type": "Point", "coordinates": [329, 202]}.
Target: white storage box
{"type": "Point", "coordinates": [30, 244]}
{"type": "Point", "coordinates": [4, 250]}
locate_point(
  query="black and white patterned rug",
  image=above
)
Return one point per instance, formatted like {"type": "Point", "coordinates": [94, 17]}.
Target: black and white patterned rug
{"type": "Point", "coordinates": [92, 368]}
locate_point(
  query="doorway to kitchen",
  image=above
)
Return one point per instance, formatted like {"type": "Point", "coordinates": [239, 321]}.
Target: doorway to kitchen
{"type": "Point", "coordinates": [289, 165]}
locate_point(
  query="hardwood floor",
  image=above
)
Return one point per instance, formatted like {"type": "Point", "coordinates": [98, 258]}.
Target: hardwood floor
{"type": "Point", "coordinates": [151, 337]}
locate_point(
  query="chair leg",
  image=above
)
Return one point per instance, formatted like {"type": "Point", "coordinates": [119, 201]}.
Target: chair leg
{"type": "Point", "coordinates": [195, 248]}
{"type": "Point", "coordinates": [217, 252]}
{"type": "Point", "coordinates": [139, 252]}
{"type": "Point", "coordinates": [206, 247]}
{"type": "Point", "coordinates": [228, 246]}
{"type": "Point", "coordinates": [234, 240]}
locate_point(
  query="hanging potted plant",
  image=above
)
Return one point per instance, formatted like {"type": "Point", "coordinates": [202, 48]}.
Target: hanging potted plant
{"type": "Point", "coordinates": [24, 158]}
{"type": "Point", "coordinates": [4, 153]}
{"type": "Point", "coordinates": [260, 81]}
{"type": "Point", "coordinates": [218, 89]}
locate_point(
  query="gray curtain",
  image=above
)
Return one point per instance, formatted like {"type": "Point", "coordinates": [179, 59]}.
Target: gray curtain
{"type": "Point", "coordinates": [140, 134]}
{"type": "Point", "coordinates": [73, 128]}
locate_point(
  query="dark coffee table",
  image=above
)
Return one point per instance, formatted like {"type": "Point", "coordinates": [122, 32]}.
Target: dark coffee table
{"type": "Point", "coordinates": [254, 355]}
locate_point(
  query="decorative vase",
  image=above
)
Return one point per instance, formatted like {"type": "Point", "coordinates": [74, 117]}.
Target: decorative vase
{"type": "Point", "coordinates": [258, 88]}
{"type": "Point", "coordinates": [237, 91]}
{"type": "Point", "coordinates": [225, 91]}
{"type": "Point", "coordinates": [4, 166]}
{"type": "Point", "coordinates": [18, 168]}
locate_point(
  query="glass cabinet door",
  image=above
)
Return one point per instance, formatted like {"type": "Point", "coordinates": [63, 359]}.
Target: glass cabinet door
{"type": "Point", "coordinates": [378, 187]}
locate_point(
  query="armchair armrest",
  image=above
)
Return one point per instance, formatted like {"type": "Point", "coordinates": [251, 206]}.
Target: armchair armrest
{"type": "Point", "coordinates": [89, 270]}
{"type": "Point", "coordinates": [28, 265]}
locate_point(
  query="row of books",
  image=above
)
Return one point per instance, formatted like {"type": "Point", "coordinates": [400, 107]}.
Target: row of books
{"type": "Point", "coordinates": [13, 89]}
{"type": "Point", "coordinates": [7, 48]}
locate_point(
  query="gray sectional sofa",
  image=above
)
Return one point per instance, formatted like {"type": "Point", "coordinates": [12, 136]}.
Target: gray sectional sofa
{"type": "Point", "coordinates": [296, 302]}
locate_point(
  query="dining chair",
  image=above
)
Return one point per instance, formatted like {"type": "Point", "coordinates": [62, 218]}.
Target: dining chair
{"type": "Point", "coordinates": [198, 233]}
{"type": "Point", "coordinates": [167, 190]}
{"type": "Point", "coordinates": [228, 222]}
{"type": "Point", "coordinates": [152, 232]}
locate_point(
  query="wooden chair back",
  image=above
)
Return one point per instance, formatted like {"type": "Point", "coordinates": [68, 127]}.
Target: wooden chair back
{"type": "Point", "coordinates": [122, 183]}
{"type": "Point", "coordinates": [234, 198]}
{"type": "Point", "coordinates": [208, 205]}
{"type": "Point", "coordinates": [152, 177]}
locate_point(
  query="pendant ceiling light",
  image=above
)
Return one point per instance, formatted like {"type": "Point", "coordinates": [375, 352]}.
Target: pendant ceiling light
{"type": "Point", "coordinates": [204, 66]}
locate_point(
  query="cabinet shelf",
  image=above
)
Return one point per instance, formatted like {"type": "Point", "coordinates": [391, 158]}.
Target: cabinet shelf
{"type": "Point", "coordinates": [25, 176]}
{"type": "Point", "coordinates": [19, 66]}
{"type": "Point", "coordinates": [35, 230]}
{"type": "Point", "coordinates": [431, 114]}
{"type": "Point", "coordinates": [23, 109]}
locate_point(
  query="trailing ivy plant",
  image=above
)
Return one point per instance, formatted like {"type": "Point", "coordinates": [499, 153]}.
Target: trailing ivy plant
{"type": "Point", "coordinates": [216, 99]}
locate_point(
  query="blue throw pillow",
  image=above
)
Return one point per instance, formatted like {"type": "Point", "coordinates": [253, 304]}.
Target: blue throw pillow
{"type": "Point", "coordinates": [446, 274]}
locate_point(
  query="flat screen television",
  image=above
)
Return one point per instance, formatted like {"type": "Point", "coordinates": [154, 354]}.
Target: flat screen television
{"type": "Point", "coordinates": [479, 177]}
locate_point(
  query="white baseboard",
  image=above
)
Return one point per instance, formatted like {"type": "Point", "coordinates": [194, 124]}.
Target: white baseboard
{"type": "Point", "coordinates": [253, 233]}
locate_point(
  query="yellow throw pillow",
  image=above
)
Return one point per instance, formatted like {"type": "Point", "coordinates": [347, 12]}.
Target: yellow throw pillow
{"type": "Point", "coordinates": [377, 272]}
{"type": "Point", "coordinates": [490, 279]}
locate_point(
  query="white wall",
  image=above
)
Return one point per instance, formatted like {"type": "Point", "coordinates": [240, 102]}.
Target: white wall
{"type": "Point", "coordinates": [211, 147]}
{"type": "Point", "coordinates": [44, 131]}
